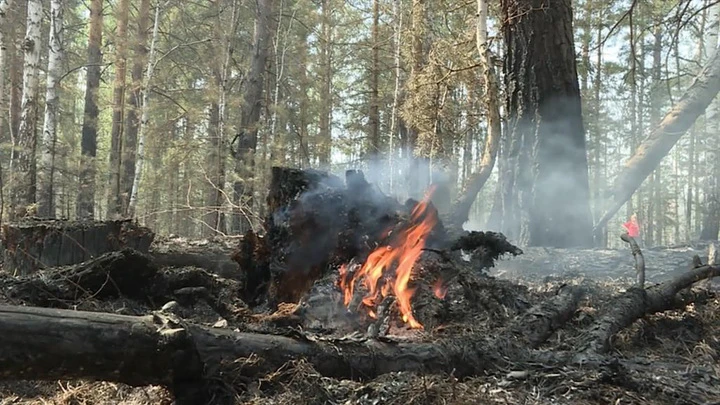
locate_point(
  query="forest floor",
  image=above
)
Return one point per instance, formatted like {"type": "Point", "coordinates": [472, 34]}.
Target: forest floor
{"type": "Point", "coordinates": [684, 339]}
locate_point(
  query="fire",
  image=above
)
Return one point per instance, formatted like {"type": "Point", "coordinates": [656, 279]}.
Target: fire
{"type": "Point", "coordinates": [401, 254]}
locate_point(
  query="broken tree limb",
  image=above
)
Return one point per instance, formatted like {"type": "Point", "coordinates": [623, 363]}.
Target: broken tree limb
{"type": "Point", "coordinates": [639, 259]}
{"type": "Point", "coordinates": [540, 321]}
{"type": "Point", "coordinates": [664, 136]}
{"type": "Point", "coordinates": [636, 303]}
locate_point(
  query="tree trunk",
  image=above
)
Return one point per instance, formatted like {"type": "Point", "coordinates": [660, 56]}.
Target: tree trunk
{"type": "Point", "coordinates": [85, 208]}
{"type": "Point", "coordinates": [114, 201]}
{"type": "Point", "coordinates": [144, 117]}
{"type": "Point", "coordinates": [5, 21]}
{"type": "Point", "coordinates": [324, 138]}
{"type": "Point", "coordinates": [664, 136]}
{"type": "Point", "coordinates": [374, 110]}
{"type": "Point", "coordinates": [132, 118]}
{"type": "Point", "coordinates": [24, 170]}
{"type": "Point", "coordinates": [16, 38]}
{"type": "Point", "coordinates": [711, 220]}
{"type": "Point", "coordinates": [213, 187]}
{"type": "Point", "coordinates": [46, 172]}
{"type": "Point", "coordinates": [243, 187]}
{"type": "Point", "coordinates": [461, 208]}
{"type": "Point", "coordinates": [545, 125]}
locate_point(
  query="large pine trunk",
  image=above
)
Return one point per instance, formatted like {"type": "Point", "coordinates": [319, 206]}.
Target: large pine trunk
{"type": "Point", "coordinates": [664, 136]}
{"type": "Point", "coordinates": [85, 208]}
{"type": "Point", "coordinates": [547, 155]}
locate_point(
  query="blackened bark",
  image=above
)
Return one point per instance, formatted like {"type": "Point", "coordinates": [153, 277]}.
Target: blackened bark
{"type": "Point", "coordinates": [547, 137]}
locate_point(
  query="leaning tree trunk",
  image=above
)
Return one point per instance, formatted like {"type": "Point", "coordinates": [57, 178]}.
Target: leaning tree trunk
{"type": "Point", "coordinates": [23, 184]}
{"type": "Point", "coordinates": [46, 204]}
{"type": "Point", "coordinates": [250, 118]}
{"type": "Point", "coordinates": [664, 136]}
{"type": "Point", "coordinates": [114, 201]}
{"type": "Point", "coordinates": [85, 208]}
{"type": "Point", "coordinates": [461, 208]}
{"type": "Point", "coordinates": [545, 125]}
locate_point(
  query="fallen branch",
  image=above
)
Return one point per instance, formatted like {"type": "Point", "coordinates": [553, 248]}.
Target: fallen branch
{"type": "Point", "coordinates": [636, 303]}
{"type": "Point", "coordinates": [639, 259]}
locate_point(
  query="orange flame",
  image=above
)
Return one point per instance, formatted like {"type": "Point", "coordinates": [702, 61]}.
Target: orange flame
{"type": "Point", "coordinates": [404, 250]}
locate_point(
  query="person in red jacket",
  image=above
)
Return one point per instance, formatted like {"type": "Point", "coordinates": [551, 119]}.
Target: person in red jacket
{"type": "Point", "coordinates": [632, 227]}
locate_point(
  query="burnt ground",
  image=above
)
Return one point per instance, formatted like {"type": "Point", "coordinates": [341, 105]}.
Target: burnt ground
{"type": "Point", "coordinates": [679, 349]}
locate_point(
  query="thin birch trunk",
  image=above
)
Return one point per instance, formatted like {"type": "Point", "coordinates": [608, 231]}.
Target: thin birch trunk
{"type": "Point", "coordinates": [144, 118]}
{"type": "Point", "coordinates": [46, 173]}
{"type": "Point", "coordinates": [24, 171]}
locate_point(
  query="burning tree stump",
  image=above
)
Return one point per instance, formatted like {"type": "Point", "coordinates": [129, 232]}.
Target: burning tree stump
{"type": "Point", "coordinates": [316, 221]}
{"type": "Point", "coordinates": [35, 244]}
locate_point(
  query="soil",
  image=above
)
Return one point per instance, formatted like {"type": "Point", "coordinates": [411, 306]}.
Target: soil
{"type": "Point", "coordinates": [676, 353]}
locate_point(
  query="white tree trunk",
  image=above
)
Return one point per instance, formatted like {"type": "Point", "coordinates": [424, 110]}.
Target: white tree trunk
{"type": "Point", "coordinates": [461, 208]}
{"type": "Point", "coordinates": [25, 142]}
{"type": "Point", "coordinates": [140, 160]}
{"type": "Point", "coordinates": [46, 206]}
{"type": "Point", "coordinates": [5, 6]}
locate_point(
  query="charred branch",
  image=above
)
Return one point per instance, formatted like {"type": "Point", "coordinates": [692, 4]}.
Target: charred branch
{"type": "Point", "coordinates": [639, 259]}
{"type": "Point", "coordinates": [636, 303]}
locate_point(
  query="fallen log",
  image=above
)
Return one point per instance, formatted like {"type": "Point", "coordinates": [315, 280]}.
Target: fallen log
{"type": "Point", "coordinates": [51, 344]}
{"type": "Point", "coordinates": [35, 244]}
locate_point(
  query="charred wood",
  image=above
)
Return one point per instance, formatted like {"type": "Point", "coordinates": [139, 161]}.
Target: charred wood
{"type": "Point", "coordinates": [636, 303]}
{"type": "Point", "coordinates": [34, 244]}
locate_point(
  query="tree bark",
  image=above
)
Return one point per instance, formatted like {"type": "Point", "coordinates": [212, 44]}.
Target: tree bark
{"type": "Point", "coordinates": [545, 125]}
{"type": "Point", "coordinates": [24, 145]}
{"type": "Point", "coordinates": [460, 210]}
{"type": "Point", "coordinates": [664, 136]}
{"type": "Point", "coordinates": [46, 172]}
{"type": "Point", "coordinates": [85, 208]}
{"type": "Point", "coordinates": [132, 117]}
{"type": "Point", "coordinates": [243, 188]}
{"type": "Point", "coordinates": [114, 200]}
{"type": "Point", "coordinates": [5, 10]}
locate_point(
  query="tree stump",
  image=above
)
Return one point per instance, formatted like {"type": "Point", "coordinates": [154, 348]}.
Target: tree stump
{"type": "Point", "coordinates": [34, 244]}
